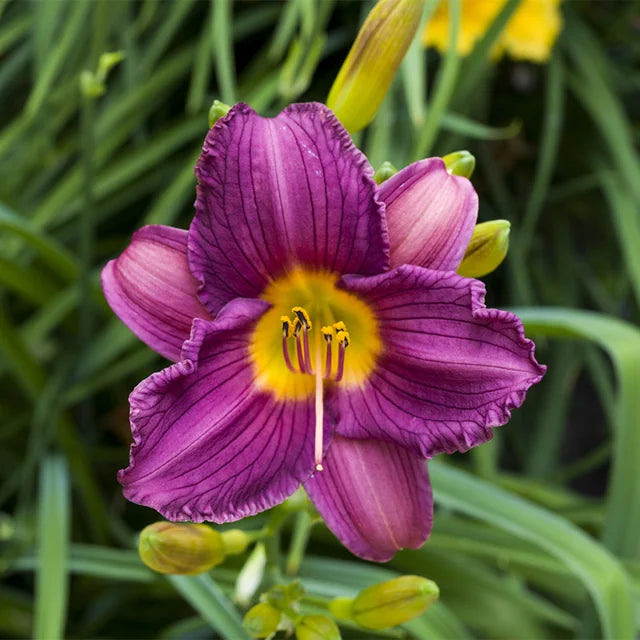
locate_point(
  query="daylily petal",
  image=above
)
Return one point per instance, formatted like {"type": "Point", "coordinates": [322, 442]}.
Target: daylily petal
{"type": "Point", "coordinates": [450, 368]}
{"type": "Point", "coordinates": [150, 288]}
{"type": "Point", "coordinates": [208, 445]}
{"type": "Point", "coordinates": [274, 193]}
{"type": "Point", "coordinates": [374, 495]}
{"type": "Point", "coordinates": [430, 215]}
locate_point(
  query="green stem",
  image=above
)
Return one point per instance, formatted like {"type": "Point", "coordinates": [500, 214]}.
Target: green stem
{"type": "Point", "coordinates": [301, 531]}
{"type": "Point", "coordinates": [222, 45]}
{"type": "Point", "coordinates": [445, 86]}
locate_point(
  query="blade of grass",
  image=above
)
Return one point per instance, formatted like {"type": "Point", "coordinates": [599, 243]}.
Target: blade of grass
{"type": "Point", "coordinates": [59, 259]}
{"type": "Point", "coordinates": [476, 63]}
{"type": "Point", "coordinates": [74, 24]}
{"type": "Point", "coordinates": [624, 211]}
{"type": "Point", "coordinates": [445, 84]}
{"type": "Point", "coordinates": [53, 543]}
{"type": "Point", "coordinates": [622, 343]}
{"type": "Point", "coordinates": [222, 47]}
{"type": "Point", "coordinates": [464, 126]}
{"type": "Point", "coordinates": [547, 438]}
{"type": "Point", "coordinates": [600, 572]}
{"type": "Point", "coordinates": [206, 597]}
{"type": "Point", "coordinates": [589, 84]}
{"type": "Point", "coordinates": [13, 31]}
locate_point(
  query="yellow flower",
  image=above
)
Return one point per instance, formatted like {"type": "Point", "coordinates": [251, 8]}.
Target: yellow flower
{"type": "Point", "coordinates": [529, 34]}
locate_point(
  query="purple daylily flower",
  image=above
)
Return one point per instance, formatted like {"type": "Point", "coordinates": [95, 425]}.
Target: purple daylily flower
{"type": "Point", "coordinates": [319, 332]}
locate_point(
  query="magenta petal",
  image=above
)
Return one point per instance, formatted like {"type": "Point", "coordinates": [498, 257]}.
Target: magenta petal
{"type": "Point", "coordinates": [150, 288]}
{"type": "Point", "coordinates": [207, 444]}
{"type": "Point", "coordinates": [278, 192]}
{"type": "Point", "coordinates": [430, 215]}
{"type": "Point", "coordinates": [450, 369]}
{"type": "Point", "coordinates": [374, 495]}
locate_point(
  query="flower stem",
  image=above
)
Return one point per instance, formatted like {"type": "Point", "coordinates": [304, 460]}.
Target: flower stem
{"type": "Point", "coordinates": [301, 531]}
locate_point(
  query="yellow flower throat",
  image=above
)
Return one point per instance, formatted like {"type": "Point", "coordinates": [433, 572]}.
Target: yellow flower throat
{"type": "Point", "coordinates": [313, 335]}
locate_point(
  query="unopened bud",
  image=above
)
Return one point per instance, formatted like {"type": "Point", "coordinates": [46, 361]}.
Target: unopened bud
{"type": "Point", "coordinates": [384, 172]}
{"type": "Point", "coordinates": [93, 85]}
{"type": "Point", "coordinates": [235, 541]}
{"type": "Point", "coordinates": [250, 575]}
{"type": "Point", "coordinates": [317, 628]}
{"type": "Point", "coordinates": [218, 110]}
{"type": "Point", "coordinates": [393, 602]}
{"type": "Point", "coordinates": [341, 608]}
{"type": "Point", "coordinates": [460, 163]}
{"type": "Point", "coordinates": [487, 249]}
{"type": "Point", "coordinates": [180, 548]}
{"type": "Point", "coordinates": [262, 620]}
{"type": "Point", "coordinates": [366, 74]}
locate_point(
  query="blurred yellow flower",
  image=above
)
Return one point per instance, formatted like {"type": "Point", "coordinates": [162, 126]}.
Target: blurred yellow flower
{"type": "Point", "coordinates": [529, 34]}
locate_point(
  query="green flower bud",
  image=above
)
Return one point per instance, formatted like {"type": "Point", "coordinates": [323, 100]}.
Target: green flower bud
{"type": "Point", "coordinates": [180, 548]}
{"type": "Point", "coordinates": [262, 620]}
{"type": "Point", "coordinates": [366, 75]}
{"type": "Point", "coordinates": [487, 249]}
{"type": "Point", "coordinates": [384, 172]}
{"type": "Point", "coordinates": [218, 110]}
{"type": "Point", "coordinates": [317, 628]}
{"type": "Point", "coordinates": [460, 163]}
{"type": "Point", "coordinates": [250, 575]}
{"type": "Point", "coordinates": [93, 85]}
{"type": "Point", "coordinates": [235, 541]}
{"type": "Point", "coordinates": [393, 602]}
{"type": "Point", "coordinates": [341, 608]}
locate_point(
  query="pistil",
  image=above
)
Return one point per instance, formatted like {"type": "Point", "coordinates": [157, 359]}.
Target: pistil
{"type": "Point", "coordinates": [319, 410]}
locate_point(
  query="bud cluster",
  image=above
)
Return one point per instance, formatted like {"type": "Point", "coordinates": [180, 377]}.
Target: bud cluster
{"type": "Point", "coordinates": [378, 607]}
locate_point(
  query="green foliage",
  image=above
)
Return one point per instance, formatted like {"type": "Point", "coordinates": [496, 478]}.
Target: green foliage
{"type": "Point", "coordinates": [534, 531]}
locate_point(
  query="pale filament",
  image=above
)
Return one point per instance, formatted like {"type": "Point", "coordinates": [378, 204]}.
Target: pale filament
{"type": "Point", "coordinates": [319, 411]}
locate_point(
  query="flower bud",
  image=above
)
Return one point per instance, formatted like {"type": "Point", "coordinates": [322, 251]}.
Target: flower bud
{"type": "Point", "coordinates": [487, 249]}
{"type": "Point", "coordinates": [250, 576]}
{"type": "Point", "coordinates": [341, 608]}
{"type": "Point", "coordinates": [93, 85]}
{"type": "Point", "coordinates": [180, 548]}
{"type": "Point", "coordinates": [235, 541]}
{"type": "Point", "coordinates": [393, 602]}
{"type": "Point", "coordinates": [460, 163]}
{"type": "Point", "coordinates": [218, 110]}
{"type": "Point", "coordinates": [262, 620]}
{"type": "Point", "coordinates": [366, 74]}
{"type": "Point", "coordinates": [384, 172]}
{"type": "Point", "coordinates": [317, 628]}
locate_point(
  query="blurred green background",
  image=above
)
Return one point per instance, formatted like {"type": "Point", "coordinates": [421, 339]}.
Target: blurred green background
{"type": "Point", "coordinates": [537, 534]}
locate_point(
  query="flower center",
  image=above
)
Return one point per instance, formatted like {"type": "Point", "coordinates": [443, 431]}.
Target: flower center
{"type": "Point", "coordinates": [315, 335]}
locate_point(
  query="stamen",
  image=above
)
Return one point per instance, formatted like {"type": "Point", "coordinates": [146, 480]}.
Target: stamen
{"type": "Point", "coordinates": [343, 338]}
{"type": "Point", "coordinates": [307, 354]}
{"type": "Point", "coordinates": [302, 316]}
{"type": "Point", "coordinates": [319, 411]}
{"type": "Point", "coordinates": [303, 320]}
{"type": "Point", "coordinates": [287, 330]}
{"type": "Point", "coordinates": [299, 349]}
{"type": "Point", "coordinates": [327, 333]}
